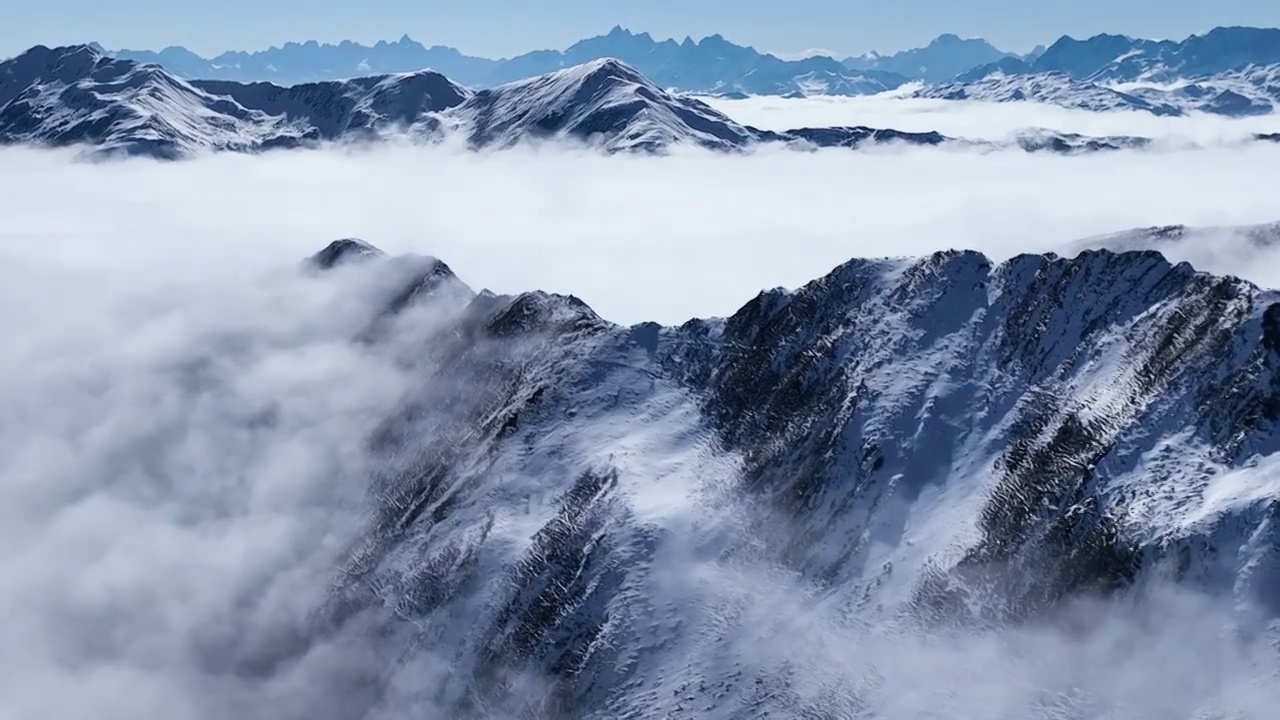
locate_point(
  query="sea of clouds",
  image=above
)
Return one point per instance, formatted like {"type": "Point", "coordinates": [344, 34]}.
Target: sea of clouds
{"type": "Point", "coordinates": [183, 413]}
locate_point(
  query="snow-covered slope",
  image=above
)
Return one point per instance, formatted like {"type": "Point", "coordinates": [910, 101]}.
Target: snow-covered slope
{"type": "Point", "coordinates": [1248, 91]}
{"type": "Point", "coordinates": [406, 102]}
{"type": "Point", "coordinates": [66, 96]}
{"type": "Point", "coordinates": [75, 95]}
{"type": "Point", "coordinates": [603, 101]}
{"type": "Point", "coordinates": [1251, 90]}
{"type": "Point", "coordinates": [1052, 88]}
{"type": "Point", "coordinates": [744, 517]}
{"type": "Point", "coordinates": [1229, 71]}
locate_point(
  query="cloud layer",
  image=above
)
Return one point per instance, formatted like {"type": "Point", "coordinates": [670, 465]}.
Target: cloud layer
{"type": "Point", "coordinates": [662, 239]}
{"type": "Point", "coordinates": [977, 119]}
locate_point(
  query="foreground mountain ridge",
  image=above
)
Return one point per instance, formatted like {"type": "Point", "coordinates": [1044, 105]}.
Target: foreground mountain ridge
{"type": "Point", "coordinates": [588, 520]}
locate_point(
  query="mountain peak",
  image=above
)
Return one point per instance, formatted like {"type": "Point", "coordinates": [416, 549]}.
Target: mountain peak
{"type": "Point", "coordinates": [943, 58]}
{"type": "Point", "coordinates": [67, 64]}
{"type": "Point", "coordinates": [343, 251]}
{"type": "Point", "coordinates": [609, 68]}
{"type": "Point", "coordinates": [61, 52]}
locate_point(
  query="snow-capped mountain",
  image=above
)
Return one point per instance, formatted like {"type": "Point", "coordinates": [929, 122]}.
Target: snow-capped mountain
{"type": "Point", "coordinates": [311, 61]}
{"type": "Point", "coordinates": [578, 519]}
{"type": "Point", "coordinates": [603, 100]}
{"type": "Point", "coordinates": [1238, 93]}
{"type": "Point", "coordinates": [66, 96]}
{"type": "Point", "coordinates": [945, 57]}
{"type": "Point", "coordinates": [1052, 88]}
{"type": "Point", "coordinates": [1117, 58]}
{"type": "Point", "coordinates": [1154, 238]}
{"type": "Point", "coordinates": [1228, 71]}
{"type": "Point", "coordinates": [712, 64]}
{"type": "Point", "coordinates": [77, 96]}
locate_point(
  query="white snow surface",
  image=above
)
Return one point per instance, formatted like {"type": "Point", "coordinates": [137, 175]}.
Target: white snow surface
{"type": "Point", "coordinates": [603, 100]}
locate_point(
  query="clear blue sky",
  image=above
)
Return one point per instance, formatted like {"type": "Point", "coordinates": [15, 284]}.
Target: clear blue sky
{"type": "Point", "coordinates": [506, 27]}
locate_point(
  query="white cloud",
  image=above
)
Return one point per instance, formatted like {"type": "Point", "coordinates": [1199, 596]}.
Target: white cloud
{"type": "Point", "coordinates": [638, 238]}
{"type": "Point", "coordinates": [975, 119]}
{"type": "Point", "coordinates": [182, 415]}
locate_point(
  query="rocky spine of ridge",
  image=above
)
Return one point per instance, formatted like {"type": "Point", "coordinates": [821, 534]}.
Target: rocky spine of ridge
{"type": "Point", "coordinates": [955, 439]}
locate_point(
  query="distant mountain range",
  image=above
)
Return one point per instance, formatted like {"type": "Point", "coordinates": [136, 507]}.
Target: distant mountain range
{"type": "Point", "coordinates": [942, 59]}
{"type": "Point", "coordinates": [1233, 71]}
{"type": "Point", "coordinates": [1117, 58]}
{"type": "Point", "coordinates": [710, 65]}
{"type": "Point", "coordinates": [76, 96]}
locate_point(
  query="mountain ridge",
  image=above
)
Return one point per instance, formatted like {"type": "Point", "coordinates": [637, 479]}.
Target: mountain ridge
{"type": "Point", "coordinates": [943, 58]}
{"type": "Point", "coordinates": [1231, 71]}
{"type": "Point", "coordinates": [75, 96]}
{"type": "Point", "coordinates": [929, 443]}
{"type": "Point", "coordinates": [709, 64]}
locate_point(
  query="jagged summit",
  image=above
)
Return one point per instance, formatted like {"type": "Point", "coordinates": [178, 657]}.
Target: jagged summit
{"type": "Point", "coordinates": [343, 251]}
{"type": "Point", "coordinates": [937, 458]}
{"type": "Point", "coordinates": [944, 57]}
{"type": "Point", "coordinates": [606, 71]}
{"type": "Point", "coordinates": [1228, 71]}
{"type": "Point", "coordinates": [940, 439]}
{"type": "Point", "coordinates": [605, 101]}
{"type": "Point", "coordinates": [66, 64]}
{"type": "Point", "coordinates": [712, 64]}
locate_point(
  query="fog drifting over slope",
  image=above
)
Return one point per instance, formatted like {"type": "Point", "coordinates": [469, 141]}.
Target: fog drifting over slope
{"type": "Point", "coordinates": [182, 416]}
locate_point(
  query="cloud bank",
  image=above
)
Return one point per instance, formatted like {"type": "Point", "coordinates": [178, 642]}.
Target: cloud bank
{"type": "Point", "coordinates": [183, 415]}
{"type": "Point", "coordinates": [638, 238]}
{"type": "Point", "coordinates": [978, 119]}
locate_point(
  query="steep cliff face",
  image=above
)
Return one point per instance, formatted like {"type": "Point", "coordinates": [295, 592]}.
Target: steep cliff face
{"type": "Point", "coordinates": [577, 519]}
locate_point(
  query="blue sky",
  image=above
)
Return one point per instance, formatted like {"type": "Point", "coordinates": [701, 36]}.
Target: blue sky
{"type": "Point", "coordinates": [506, 27]}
